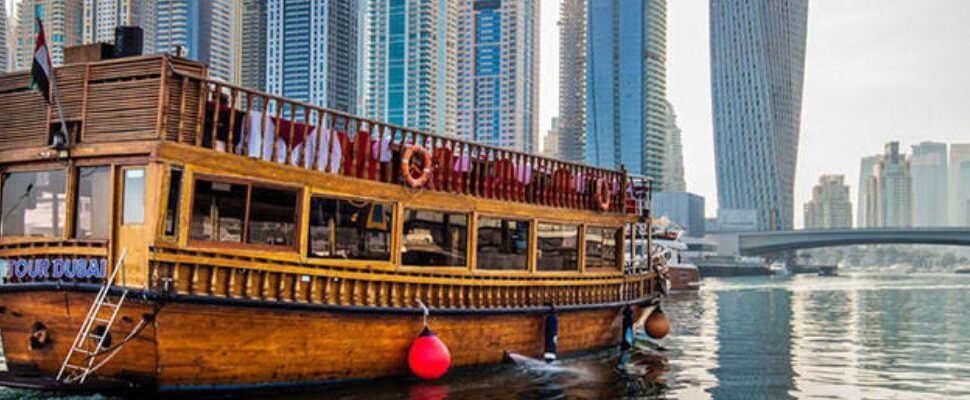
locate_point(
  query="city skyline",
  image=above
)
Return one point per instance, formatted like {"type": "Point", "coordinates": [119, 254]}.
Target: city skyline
{"type": "Point", "coordinates": [859, 88]}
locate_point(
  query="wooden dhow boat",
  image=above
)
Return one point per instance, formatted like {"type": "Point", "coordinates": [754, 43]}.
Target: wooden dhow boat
{"type": "Point", "coordinates": [195, 235]}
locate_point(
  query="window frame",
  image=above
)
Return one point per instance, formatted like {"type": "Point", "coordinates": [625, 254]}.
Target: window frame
{"type": "Point", "coordinates": [242, 244]}
{"type": "Point", "coordinates": [620, 248]}
{"type": "Point", "coordinates": [122, 190]}
{"type": "Point", "coordinates": [580, 259]}
{"type": "Point", "coordinates": [332, 260]}
{"type": "Point", "coordinates": [66, 234]}
{"type": "Point", "coordinates": [530, 254]}
{"type": "Point", "coordinates": [74, 186]}
{"type": "Point", "coordinates": [164, 204]}
{"type": "Point", "coordinates": [432, 268]}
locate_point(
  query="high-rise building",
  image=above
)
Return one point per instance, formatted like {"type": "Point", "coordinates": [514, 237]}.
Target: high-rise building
{"type": "Point", "coordinates": [550, 143]}
{"type": "Point", "coordinates": [312, 51]}
{"type": "Point", "coordinates": [4, 50]}
{"type": "Point", "coordinates": [101, 17]}
{"type": "Point", "coordinates": [62, 25]}
{"type": "Point", "coordinates": [673, 177]}
{"type": "Point", "coordinates": [682, 208]}
{"type": "Point", "coordinates": [203, 29]}
{"type": "Point", "coordinates": [757, 68]}
{"type": "Point", "coordinates": [891, 189]}
{"type": "Point", "coordinates": [865, 207]}
{"type": "Point", "coordinates": [829, 207]}
{"type": "Point", "coordinates": [411, 60]}
{"type": "Point", "coordinates": [626, 85]}
{"type": "Point", "coordinates": [960, 184]}
{"type": "Point", "coordinates": [928, 166]}
{"type": "Point", "coordinates": [498, 63]}
{"type": "Point", "coordinates": [253, 44]}
{"type": "Point", "coordinates": [572, 80]}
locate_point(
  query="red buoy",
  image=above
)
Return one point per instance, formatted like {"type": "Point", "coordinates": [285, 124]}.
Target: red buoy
{"type": "Point", "coordinates": [428, 357]}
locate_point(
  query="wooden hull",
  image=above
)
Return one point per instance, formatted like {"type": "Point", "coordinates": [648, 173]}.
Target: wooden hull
{"type": "Point", "coordinates": [684, 278]}
{"type": "Point", "coordinates": [200, 344]}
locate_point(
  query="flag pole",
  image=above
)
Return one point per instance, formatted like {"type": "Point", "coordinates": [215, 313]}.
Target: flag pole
{"type": "Point", "coordinates": [60, 110]}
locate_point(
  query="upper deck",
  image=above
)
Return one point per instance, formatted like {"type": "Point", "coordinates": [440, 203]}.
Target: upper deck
{"type": "Point", "coordinates": [128, 106]}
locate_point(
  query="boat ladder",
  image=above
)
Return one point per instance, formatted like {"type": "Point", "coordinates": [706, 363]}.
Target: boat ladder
{"type": "Point", "coordinates": [92, 345]}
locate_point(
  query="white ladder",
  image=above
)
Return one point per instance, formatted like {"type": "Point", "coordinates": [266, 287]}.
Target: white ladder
{"type": "Point", "coordinates": [78, 371]}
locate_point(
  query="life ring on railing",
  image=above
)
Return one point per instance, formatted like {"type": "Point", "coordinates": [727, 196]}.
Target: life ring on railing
{"type": "Point", "coordinates": [416, 181]}
{"type": "Point", "coordinates": [604, 196]}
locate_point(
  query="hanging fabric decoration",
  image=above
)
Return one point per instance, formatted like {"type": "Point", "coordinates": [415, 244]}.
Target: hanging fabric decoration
{"type": "Point", "coordinates": [551, 336]}
{"type": "Point", "coordinates": [428, 356]}
{"type": "Point", "coordinates": [627, 328]}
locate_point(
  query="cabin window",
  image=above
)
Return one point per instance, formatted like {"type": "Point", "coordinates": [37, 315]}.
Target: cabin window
{"type": "Point", "coordinates": [503, 244]}
{"type": "Point", "coordinates": [93, 203]}
{"type": "Point", "coordinates": [217, 211]}
{"type": "Point", "coordinates": [434, 238]}
{"type": "Point", "coordinates": [133, 210]}
{"type": "Point", "coordinates": [350, 229]}
{"type": "Point", "coordinates": [601, 250]}
{"type": "Point", "coordinates": [272, 217]}
{"type": "Point", "coordinates": [172, 206]}
{"type": "Point", "coordinates": [557, 247]}
{"type": "Point", "coordinates": [219, 214]}
{"type": "Point", "coordinates": [33, 203]}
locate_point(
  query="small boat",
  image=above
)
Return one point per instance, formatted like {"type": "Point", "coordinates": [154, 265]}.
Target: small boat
{"type": "Point", "coordinates": [780, 268]}
{"type": "Point", "coordinates": [964, 270]}
{"type": "Point", "coordinates": [828, 270]}
{"type": "Point", "coordinates": [668, 249]}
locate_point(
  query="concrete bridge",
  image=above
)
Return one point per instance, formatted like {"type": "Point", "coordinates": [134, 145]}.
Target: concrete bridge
{"type": "Point", "coordinates": [757, 243]}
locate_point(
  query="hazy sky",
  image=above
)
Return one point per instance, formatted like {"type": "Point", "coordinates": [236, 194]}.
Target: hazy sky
{"type": "Point", "coordinates": [876, 70]}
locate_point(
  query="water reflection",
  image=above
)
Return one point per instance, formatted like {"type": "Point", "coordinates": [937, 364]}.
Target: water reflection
{"type": "Point", "coordinates": [849, 337]}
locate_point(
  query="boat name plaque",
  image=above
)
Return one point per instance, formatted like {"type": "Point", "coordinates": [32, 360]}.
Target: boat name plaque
{"type": "Point", "coordinates": [55, 268]}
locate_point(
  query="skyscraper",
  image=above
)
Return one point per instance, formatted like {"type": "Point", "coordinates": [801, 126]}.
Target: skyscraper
{"type": "Point", "coordinates": [411, 56]}
{"type": "Point", "coordinates": [890, 189]}
{"type": "Point", "coordinates": [101, 17]}
{"type": "Point", "coordinates": [62, 25]}
{"type": "Point", "coordinates": [498, 48]}
{"type": "Point", "coordinates": [673, 178]}
{"type": "Point", "coordinates": [829, 207]}
{"type": "Point", "coordinates": [757, 64]}
{"type": "Point", "coordinates": [928, 166]}
{"type": "Point", "coordinates": [203, 28]}
{"type": "Point", "coordinates": [960, 184]}
{"type": "Point", "coordinates": [865, 212]}
{"type": "Point", "coordinates": [253, 44]}
{"type": "Point", "coordinates": [572, 80]}
{"type": "Point", "coordinates": [550, 143]}
{"type": "Point", "coordinates": [4, 50]}
{"type": "Point", "coordinates": [312, 51]}
{"type": "Point", "coordinates": [626, 85]}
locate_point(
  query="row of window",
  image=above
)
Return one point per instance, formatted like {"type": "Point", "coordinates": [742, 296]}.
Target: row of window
{"type": "Point", "coordinates": [35, 203]}
{"type": "Point", "coordinates": [258, 215]}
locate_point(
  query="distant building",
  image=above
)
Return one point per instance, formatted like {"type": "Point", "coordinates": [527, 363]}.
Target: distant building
{"type": "Point", "coordinates": [410, 66]}
{"type": "Point", "coordinates": [253, 44]}
{"type": "Point", "coordinates": [673, 178]}
{"type": "Point", "coordinates": [626, 85]}
{"type": "Point", "coordinates": [890, 188]}
{"type": "Point", "coordinates": [735, 220]}
{"type": "Point", "coordinates": [550, 143]}
{"type": "Point", "coordinates": [829, 207]}
{"type": "Point", "coordinates": [62, 25]}
{"type": "Point", "coordinates": [929, 170]}
{"type": "Point", "coordinates": [865, 209]}
{"type": "Point", "coordinates": [101, 17]}
{"type": "Point", "coordinates": [4, 50]}
{"type": "Point", "coordinates": [498, 65]}
{"type": "Point", "coordinates": [312, 51]}
{"type": "Point", "coordinates": [572, 80]}
{"type": "Point", "coordinates": [960, 184]}
{"type": "Point", "coordinates": [682, 208]}
{"type": "Point", "coordinates": [757, 74]}
{"type": "Point", "coordinates": [203, 29]}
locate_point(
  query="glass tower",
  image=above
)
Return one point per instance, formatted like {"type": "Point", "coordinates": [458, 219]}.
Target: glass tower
{"type": "Point", "coordinates": [312, 51]}
{"type": "Point", "coordinates": [497, 66]}
{"type": "Point", "coordinates": [203, 28]}
{"type": "Point", "coordinates": [410, 72]}
{"type": "Point", "coordinates": [626, 85]}
{"type": "Point", "coordinates": [757, 68]}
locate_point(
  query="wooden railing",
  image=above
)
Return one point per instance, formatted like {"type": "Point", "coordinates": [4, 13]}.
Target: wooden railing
{"type": "Point", "coordinates": [275, 129]}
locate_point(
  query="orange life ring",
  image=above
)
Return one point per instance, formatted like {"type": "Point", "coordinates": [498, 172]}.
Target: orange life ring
{"type": "Point", "coordinates": [604, 196]}
{"type": "Point", "coordinates": [406, 166]}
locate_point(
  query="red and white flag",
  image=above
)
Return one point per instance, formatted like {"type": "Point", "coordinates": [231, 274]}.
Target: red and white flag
{"type": "Point", "coordinates": [40, 70]}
